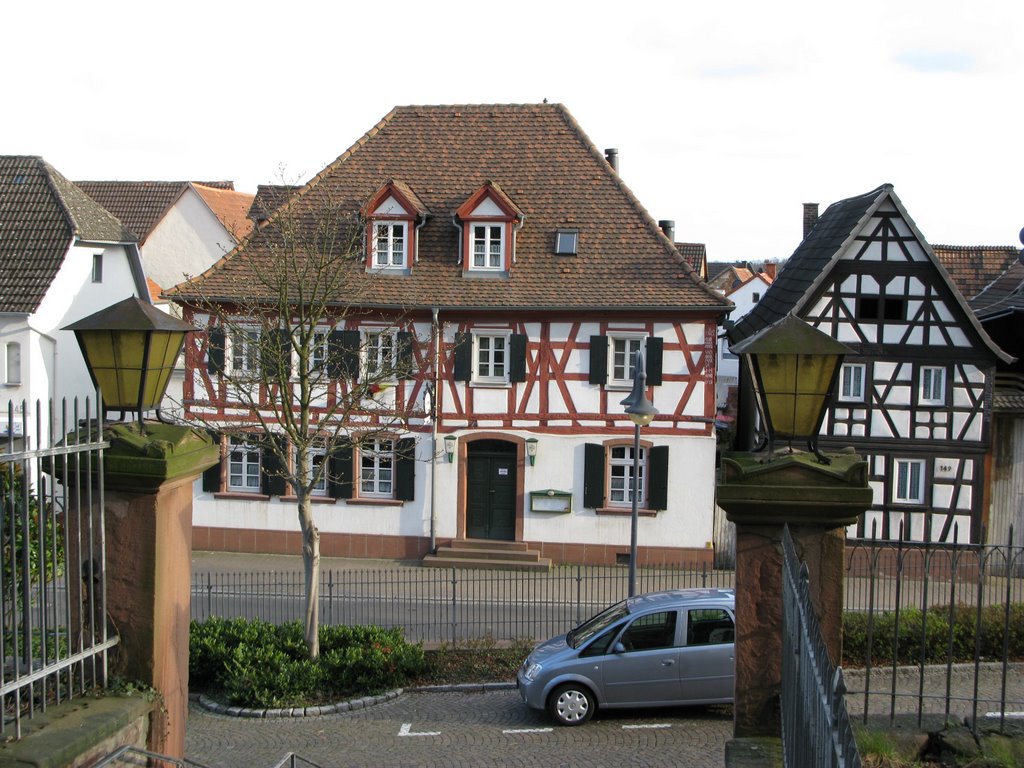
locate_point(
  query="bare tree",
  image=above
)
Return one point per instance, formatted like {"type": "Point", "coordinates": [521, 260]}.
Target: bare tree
{"type": "Point", "coordinates": [281, 351]}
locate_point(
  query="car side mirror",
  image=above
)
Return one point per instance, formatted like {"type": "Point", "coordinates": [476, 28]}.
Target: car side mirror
{"type": "Point", "coordinates": [618, 648]}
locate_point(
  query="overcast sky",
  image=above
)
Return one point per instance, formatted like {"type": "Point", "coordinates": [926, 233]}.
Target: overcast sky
{"type": "Point", "coordinates": [727, 116]}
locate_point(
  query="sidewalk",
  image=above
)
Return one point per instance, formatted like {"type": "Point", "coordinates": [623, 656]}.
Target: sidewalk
{"type": "Point", "coordinates": [241, 562]}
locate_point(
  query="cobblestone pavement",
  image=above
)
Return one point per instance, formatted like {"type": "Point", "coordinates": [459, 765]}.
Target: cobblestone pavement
{"type": "Point", "coordinates": [463, 729]}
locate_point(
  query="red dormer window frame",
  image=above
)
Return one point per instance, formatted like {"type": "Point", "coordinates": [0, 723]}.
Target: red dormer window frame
{"type": "Point", "coordinates": [407, 216]}
{"type": "Point", "coordinates": [506, 219]}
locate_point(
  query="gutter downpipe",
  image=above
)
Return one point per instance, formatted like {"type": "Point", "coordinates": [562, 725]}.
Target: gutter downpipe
{"type": "Point", "coordinates": [435, 411]}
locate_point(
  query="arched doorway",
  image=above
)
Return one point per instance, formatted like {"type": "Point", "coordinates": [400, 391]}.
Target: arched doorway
{"type": "Point", "coordinates": [491, 490]}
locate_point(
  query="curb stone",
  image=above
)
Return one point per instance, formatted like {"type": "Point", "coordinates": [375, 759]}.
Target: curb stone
{"type": "Point", "coordinates": [212, 705]}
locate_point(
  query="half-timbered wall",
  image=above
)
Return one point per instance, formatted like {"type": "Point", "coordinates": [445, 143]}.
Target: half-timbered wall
{"type": "Point", "coordinates": [552, 398]}
{"type": "Point", "coordinates": [889, 302]}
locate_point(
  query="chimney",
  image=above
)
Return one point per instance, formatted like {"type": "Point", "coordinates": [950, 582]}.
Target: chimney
{"type": "Point", "coordinates": [810, 217]}
{"type": "Point", "coordinates": [669, 228]}
{"type": "Point", "coordinates": [612, 156]}
{"type": "Point", "coordinates": [769, 269]}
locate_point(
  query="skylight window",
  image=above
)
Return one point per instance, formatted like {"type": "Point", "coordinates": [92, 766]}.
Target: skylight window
{"type": "Point", "coordinates": [566, 241]}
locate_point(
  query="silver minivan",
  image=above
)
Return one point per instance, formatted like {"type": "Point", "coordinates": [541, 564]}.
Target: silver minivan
{"type": "Point", "coordinates": [659, 649]}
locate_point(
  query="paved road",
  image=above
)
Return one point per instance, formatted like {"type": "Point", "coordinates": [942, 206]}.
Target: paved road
{"type": "Point", "coordinates": [463, 729]}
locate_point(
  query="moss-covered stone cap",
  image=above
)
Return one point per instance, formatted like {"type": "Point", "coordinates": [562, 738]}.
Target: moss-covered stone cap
{"type": "Point", "coordinates": [794, 488]}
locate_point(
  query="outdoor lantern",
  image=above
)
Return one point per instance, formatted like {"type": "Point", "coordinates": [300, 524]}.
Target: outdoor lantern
{"type": "Point", "coordinates": [531, 450]}
{"type": "Point", "coordinates": [130, 349]}
{"type": "Point", "coordinates": [449, 447]}
{"type": "Point", "coordinates": [641, 412]}
{"type": "Point", "coordinates": [794, 367]}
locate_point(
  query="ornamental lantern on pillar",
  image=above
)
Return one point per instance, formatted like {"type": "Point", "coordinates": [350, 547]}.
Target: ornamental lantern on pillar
{"type": "Point", "coordinates": [794, 367]}
{"type": "Point", "coordinates": [130, 349]}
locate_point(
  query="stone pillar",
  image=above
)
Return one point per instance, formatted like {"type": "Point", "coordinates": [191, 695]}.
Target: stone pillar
{"type": "Point", "coordinates": [148, 512]}
{"type": "Point", "coordinates": [817, 501]}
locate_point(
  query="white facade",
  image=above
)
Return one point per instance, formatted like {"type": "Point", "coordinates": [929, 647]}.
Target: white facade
{"type": "Point", "coordinates": [745, 297]}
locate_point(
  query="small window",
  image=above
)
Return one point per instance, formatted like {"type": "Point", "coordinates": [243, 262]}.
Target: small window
{"type": "Point", "coordinates": [933, 386]}
{"type": "Point", "coordinates": [12, 361]}
{"type": "Point", "coordinates": [876, 308]}
{"type": "Point", "coordinates": [389, 245]}
{"type": "Point", "coordinates": [910, 481]}
{"type": "Point", "coordinates": [566, 241]}
{"type": "Point", "coordinates": [379, 351]}
{"type": "Point", "coordinates": [621, 483]}
{"type": "Point", "coordinates": [245, 353]}
{"type": "Point", "coordinates": [317, 470]}
{"type": "Point", "coordinates": [851, 383]}
{"type": "Point", "coordinates": [377, 469]}
{"type": "Point", "coordinates": [318, 353]}
{"type": "Point", "coordinates": [490, 356]}
{"type": "Point", "coordinates": [244, 465]}
{"type": "Point", "coordinates": [755, 298]}
{"type": "Point", "coordinates": [97, 267]}
{"type": "Point", "coordinates": [487, 246]}
{"type": "Point", "coordinates": [622, 366]}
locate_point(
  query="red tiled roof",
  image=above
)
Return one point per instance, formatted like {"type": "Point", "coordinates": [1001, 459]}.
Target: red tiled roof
{"type": "Point", "coordinates": [972, 267]}
{"type": "Point", "coordinates": [543, 161]}
{"type": "Point", "coordinates": [230, 207]}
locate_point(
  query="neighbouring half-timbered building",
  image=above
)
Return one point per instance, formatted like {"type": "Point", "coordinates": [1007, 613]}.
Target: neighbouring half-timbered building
{"type": "Point", "coordinates": [915, 396]}
{"type": "Point", "coordinates": [508, 278]}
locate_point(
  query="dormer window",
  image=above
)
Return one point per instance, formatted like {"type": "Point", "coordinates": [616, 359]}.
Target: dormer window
{"type": "Point", "coordinates": [393, 212]}
{"type": "Point", "coordinates": [489, 220]}
{"type": "Point", "coordinates": [565, 241]}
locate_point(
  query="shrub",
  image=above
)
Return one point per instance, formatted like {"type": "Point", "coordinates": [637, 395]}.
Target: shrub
{"type": "Point", "coordinates": [257, 664]}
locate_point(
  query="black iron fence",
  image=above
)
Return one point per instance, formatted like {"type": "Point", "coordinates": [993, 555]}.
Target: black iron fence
{"type": "Point", "coordinates": [53, 639]}
{"type": "Point", "coordinates": [816, 728]}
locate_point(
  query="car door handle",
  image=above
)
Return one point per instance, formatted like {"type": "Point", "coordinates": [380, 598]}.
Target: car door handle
{"type": "Point", "coordinates": [668, 663]}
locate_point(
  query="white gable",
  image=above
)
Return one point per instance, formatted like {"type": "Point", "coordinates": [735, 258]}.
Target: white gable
{"type": "Point", "coordinates": [487, 207]}
{"type": "Point", "coordinates": [390, 207]}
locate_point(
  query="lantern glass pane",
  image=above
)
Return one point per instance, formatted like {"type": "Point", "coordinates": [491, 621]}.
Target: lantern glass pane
{"type": "Point", "coordinates": [794, 389]}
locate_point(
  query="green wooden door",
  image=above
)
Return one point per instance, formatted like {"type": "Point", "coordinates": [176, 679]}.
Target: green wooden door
{"type": "Point", "coordinates": [491, 495]}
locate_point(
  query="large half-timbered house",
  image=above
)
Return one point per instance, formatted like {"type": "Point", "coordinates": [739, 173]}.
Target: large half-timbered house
{"type": "Point", "coordinates": [915, 395]}
{"type": "Point", "coordinates": [515, 276]}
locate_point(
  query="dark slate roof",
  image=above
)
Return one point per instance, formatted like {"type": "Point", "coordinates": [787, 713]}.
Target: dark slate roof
{"type": "Point", "coordinates": [808, 263]}
{"type": "Point", "coordinates": [972, 267]}
{"type": "Point", "coordinates": [139, 204]}
{"type": "Point", "coordinates": [545, 164]}
{"type": "Point", "coordinates": [41, 216]}
{"type": "Point", "coordinates": [1003, 296]}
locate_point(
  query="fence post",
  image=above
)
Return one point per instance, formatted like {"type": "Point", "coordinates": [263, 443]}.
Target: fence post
{"type": "Point", "coordinates": [455, 603]}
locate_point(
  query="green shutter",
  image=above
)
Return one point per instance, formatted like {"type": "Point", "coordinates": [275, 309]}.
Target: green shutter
{"type": "Point", "coordinates": [343, 355]}
{"type": "Point", "coordinates": [211, 475]}
{"type": "Point", "coordinates": [339, 482]}
{"type": "Point", "coordinates": [593, 475]}
{"type": "Point", "coordinates": [654, 357]}
{"type": "Point", "coordinates": [463, 357]}
{"type": "Point", "coordinates": [405, 469]}
{"type": "Point", "coordinates": [406, 359]}
{"type": "Point", "coordinates": [657, 491]}
{"type": "Point", "coordinates": [272, 482]}
{"type": "Point", "coordinates": [517, 357]}
{"type": "Point", "coordinates": [598, 359]}
{"type": "Point", "coordinates": [276, 354]}
{"type": "Point", "coordinates": [215, 350]}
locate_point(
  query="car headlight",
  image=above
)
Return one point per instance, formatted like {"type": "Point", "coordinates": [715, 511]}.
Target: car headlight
{"type": "Point", "coordinates": [532, 671]}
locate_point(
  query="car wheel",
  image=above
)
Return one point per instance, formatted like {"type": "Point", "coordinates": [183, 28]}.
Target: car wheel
{"type": "Point", "coordinates": [571, 704]}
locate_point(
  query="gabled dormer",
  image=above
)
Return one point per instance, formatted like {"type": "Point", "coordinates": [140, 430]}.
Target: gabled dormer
{"type": "Point", "coordinates": [394, 214]}
{"type": "Point", "coordinates": [489, 221]}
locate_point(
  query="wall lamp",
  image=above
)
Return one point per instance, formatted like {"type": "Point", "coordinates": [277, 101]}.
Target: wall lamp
{"type": "Point", "coordinates": [449, 447]}
{"type": "Point", "coordinates": [531, 450]}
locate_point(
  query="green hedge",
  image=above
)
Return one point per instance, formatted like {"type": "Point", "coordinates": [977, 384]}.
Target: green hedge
{"type": "Point", "coordinates": [257, 664]}
{"type": "Point", "coordinates": [936, 643]}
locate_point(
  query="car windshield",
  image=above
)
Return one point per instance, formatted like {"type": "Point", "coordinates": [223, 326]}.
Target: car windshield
{"type": "Point", "coordinates": [596, 624]}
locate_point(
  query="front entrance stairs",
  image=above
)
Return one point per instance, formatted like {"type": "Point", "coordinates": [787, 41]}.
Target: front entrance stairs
{"type": "Point", "coordinates": [488, 554]}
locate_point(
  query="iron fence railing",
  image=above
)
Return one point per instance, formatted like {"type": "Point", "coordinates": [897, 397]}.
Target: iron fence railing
{"type": "Point", "coordinates": [53, 639]}
{"type": "Point", "coordinates": [816, 728]}
{"type": "Point", "coordinates": [441, 605]}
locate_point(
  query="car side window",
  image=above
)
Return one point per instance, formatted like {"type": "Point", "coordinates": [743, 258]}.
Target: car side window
{"type": "Point", "coordinates": [601, 643]}
{"type": "Point", "coordinates": [709, 626]}
{"type": "Point", "coordinates": [654, 630]}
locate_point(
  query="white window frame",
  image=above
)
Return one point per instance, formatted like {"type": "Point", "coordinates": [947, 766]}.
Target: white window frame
{"type": "Point", "coordinates": [852, 386]}
{"type": "Point", "coordinates": [377, 468]}
{"type": "Point", "coordinates": [244, 358]}
{"type": "Point", "coordinates": [493, 252]}
{"type": "Point", "coordinates": [621, 361]}
{"type": "Point", "coordinates": [932, 385]}
{"type": "Point", "coordinates": [380, 359]}
{"type": "Point", "coordinates": [318, 351]}
{"type": "Point", "coordinates": [485, 352]}
{"type": "Point", "coordinates": [248, 462]}
{"type": "Point", "coordinates": [12, 363]}
{"type": "Point", "coordinates": [97, 267]}
{"type": "Point", "coordinates": [316, 455]}
{"type": "Point", "coordinates": [391, 257]}
{"type": "Point", "coordinates": [619, 471]}
{"type": "Point", "coordinates": [909, 481]}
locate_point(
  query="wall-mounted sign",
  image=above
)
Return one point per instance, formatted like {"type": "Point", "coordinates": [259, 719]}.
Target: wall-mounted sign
{"type": "Point", "coordinates": [551, 501]}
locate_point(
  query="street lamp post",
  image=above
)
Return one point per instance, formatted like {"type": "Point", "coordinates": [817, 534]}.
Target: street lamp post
{"type": "Point", "coordinates": [641, 412]}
